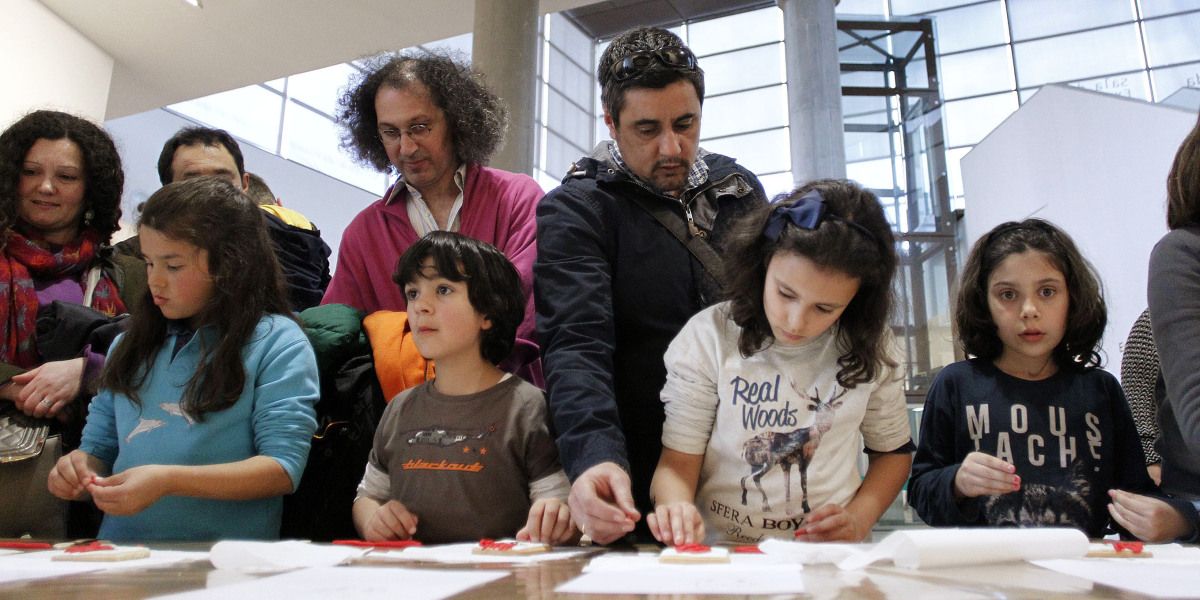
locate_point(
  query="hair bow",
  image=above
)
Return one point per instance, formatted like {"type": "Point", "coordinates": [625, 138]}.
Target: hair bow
{"type": "Point", "coordinates": [806, 212]}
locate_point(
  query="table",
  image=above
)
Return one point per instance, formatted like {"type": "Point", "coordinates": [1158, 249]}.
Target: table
{"type": "Point", "coordinates": [1010, 580]}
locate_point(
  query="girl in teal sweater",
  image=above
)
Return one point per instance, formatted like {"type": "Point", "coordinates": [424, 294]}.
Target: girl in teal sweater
{"type": "Point", "coordinates": [205, 411]}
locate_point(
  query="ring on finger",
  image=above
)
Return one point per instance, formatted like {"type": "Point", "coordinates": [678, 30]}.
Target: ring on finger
{"type": "Point", "coordinates": [46, 402]}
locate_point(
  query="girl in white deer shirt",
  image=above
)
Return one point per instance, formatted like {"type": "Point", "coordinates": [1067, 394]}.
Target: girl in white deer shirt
{"type": "Point", "coordinates": [767, 394]}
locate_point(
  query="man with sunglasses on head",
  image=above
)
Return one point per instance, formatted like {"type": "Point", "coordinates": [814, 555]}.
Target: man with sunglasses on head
{"type": "Point", "coordinates": [628, 251]}
{"type": "Point", "coordinates": [429, 117]}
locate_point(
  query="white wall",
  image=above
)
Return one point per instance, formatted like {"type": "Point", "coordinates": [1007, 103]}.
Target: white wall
{"type": "Point", "coordinates": [49, 64]}
{"type": "Point", "coordinates": [327, 202]}
{"type": "Point", "coordinates": [1095, 165]}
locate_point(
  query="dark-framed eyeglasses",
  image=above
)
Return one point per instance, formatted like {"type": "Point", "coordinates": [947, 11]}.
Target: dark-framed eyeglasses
{"type": "Point", "coordinates": [416, 131]}
{"type": "Point", "coordinates": [679, 59]}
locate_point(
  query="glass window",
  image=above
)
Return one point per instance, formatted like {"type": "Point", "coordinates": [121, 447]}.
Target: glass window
{"type": "Point", "coordinates": [1037, 18]}
{"type": "Point", "coordinates": [1079, 55]}
{"type": "Point", "coordinates": [911, 7]}
{"type": "Point", "coordinates": [875, 174]}
{"type": "Point", "coordinates": [743, 69]}
{"type": "Point", "coordinates": [866, 110]}
{"type": "Point", "coordinates": [566, 76]}
{"type": "Point", "coordinates": [761, 152]}
{"type": "Point", "coordinates": [250, 113]}
{"type": "Point", "coordinates": [735, 31]}
{"type": "Point", "coordinates": [311, 139]}
{"type": "Point", "coordinates": [968, 121]}
{"type": "Point", "coordinates": [861, 7]}
{"type": "Point", "coordinates": [1169, 81]}
{"type": "Point", "coordinates": [1152, 8]}
{"type": "Point", "coordinates": [970, 27]}
{"type": "Point", "coordinates": [559, 155]}
{"type": "Point", "coordinates": [1173, 40]}
{"type": "Point", "coordinates": [852, 50]}
{"type": "Point", "coordinates": [572, 40]}
{"type": "Point", "coordinates": [866, 145]}
{"type": "Point", "coordinates": [568, 120]}
{"type": "Point", "coordinates": [1130, 85]}
{"type": "Point", "coordinates": [1185, 98]}
{"type": "Point", "coordinates": [276, 84]}
{"type": "Point", "coordinates": [976, 73]}
{"type": "Point", "coordinates": [745, 111]}
{"type": "Point", "coordinates": [954, 176]}
{"type": "Point", "coordinates": [319, 88]}
{"type": "Point", "coordinates": [777, 183]}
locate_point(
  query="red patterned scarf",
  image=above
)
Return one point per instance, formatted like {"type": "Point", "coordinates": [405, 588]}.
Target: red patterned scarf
{"type": "Point", "coordinates": [25, 256]}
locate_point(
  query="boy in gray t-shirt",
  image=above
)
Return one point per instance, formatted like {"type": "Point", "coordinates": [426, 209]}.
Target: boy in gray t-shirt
{"type": "Point", "coordinates": [469, 454]}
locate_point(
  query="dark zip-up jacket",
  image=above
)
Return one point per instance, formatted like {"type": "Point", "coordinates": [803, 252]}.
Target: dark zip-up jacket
{"type": "Point", "coordinates": [613, 287]}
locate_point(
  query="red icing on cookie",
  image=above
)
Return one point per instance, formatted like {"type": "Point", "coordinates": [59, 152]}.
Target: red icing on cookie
{"type": "Point", "coordinates": [88, 547]}
{"type": "Point", "coordinates": [488, 544]}
{"type": "Point", "coordinates": [692, 548]}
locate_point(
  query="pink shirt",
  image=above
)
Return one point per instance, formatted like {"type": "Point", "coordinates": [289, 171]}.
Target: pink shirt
{"type": "Point", "coordinates": [498, 208]}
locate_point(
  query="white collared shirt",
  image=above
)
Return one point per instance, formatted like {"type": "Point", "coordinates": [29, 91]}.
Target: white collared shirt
{"type": "Point", "coordinates": [418, 211]}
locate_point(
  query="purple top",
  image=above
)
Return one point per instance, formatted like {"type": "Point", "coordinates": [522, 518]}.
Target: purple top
{"type": "Point", "coordinates": [70, 290]}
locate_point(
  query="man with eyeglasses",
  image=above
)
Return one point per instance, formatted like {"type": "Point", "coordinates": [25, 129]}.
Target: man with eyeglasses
{"type": "Point", "coordinates": [628, 251]}
{"type": "Point", "coordinates": [427, 116]}
{"type": "Point", "coordinates": [302, 254]}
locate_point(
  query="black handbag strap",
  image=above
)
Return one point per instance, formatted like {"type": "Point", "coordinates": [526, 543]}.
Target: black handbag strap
{"type": "Point", "coordinates": [694, 243]}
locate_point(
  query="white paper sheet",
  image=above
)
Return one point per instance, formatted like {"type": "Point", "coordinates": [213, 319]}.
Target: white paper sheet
{"type": "Point", "coordinates": [37, 565]}
{"type": "Point", "coordinates": [462, 554]}
{"type": "Point", "coordinates": [811, 553]}
{"type": "Point", "coordinates": [269, 557]}
{"type": "Point", "coordinates": [642, 574]}
{"type": "Point", "coordinates": [351, 583]}
{"type": "Point", "coordinates": [1173, 571]}
{"type": "Point", "coordinates": [920, 548]}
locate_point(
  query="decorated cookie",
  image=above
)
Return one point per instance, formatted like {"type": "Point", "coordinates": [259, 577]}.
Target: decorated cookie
{"type": "Point", "coordinates": [509, 547]}
{"type": "Point", "coordinates": [1118, 550]}
{"type": "Point", "coordinates": [101, 552]}
{"type": "Point", "coordinates": [694, 553]}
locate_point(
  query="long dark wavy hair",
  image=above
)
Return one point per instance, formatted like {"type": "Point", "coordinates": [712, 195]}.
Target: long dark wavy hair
{"type": "Point", "coordinates": [834, 244]}
{"type": "Point", "coordinates": [493, 284]}
{"type": "Point", "coordinates": [1183, 183]}
{"type": "Point", "coordinates": [211, 214]}
{"type": "Point", "coordinates": [1086, 311]}
{"type": "Point", "coordinates": [103, 177]}
{"type": "Point", "coordinates": [477, 117]}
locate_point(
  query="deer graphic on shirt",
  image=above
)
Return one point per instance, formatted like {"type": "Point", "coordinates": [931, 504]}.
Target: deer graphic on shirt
{"type": "Point", "coordinates": [789, 448]}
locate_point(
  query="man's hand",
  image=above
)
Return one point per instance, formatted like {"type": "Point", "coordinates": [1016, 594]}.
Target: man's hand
{"type": "Point", "coordinates": [676, 523]}
{"type": "Point", "coordinates": [129, 492]}
{"type": "Point", "coordinates": [1148, 518]}
{"type": "Point", "coordinates": [71, 475]}
{"type": "Point", "coordinates": [549, 523]}
{"type": "Point", "coordinates": [984, 475]}
{"type": "Point", "coordinates": [832, 523]}
{"type": "Point", "coordinates": [602, 504]}
{"type": "Point", "coordinates": [391, 521]}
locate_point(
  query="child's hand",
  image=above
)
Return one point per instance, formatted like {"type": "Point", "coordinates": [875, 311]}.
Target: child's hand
{"type": "Point", "coordinates": [675, 523]}
{"type": "Point", "coordinates": [832, 523]}
{"type": "Point", "coordinates": [1148, 518]}
{"type": "Point", "coordinates": [984, 475]}
{"type": "Point", "coordinates": [72, 474]}
{"type": "Point", "coordinates": [392, 521]}
{"type": "Point", "coordinates": [129, 492]}
{"type": "Point", "coordinates": [549, 523]}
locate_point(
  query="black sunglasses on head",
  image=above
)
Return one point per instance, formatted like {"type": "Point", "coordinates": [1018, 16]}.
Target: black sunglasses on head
{"type": "Point", "coordinates": [679, 59]}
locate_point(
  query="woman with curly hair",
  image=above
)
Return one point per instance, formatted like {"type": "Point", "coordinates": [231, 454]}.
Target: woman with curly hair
{"type": "Point", "coordinates": [428, 117]}
{"type": "Point", "coordinates": [60, 202]}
